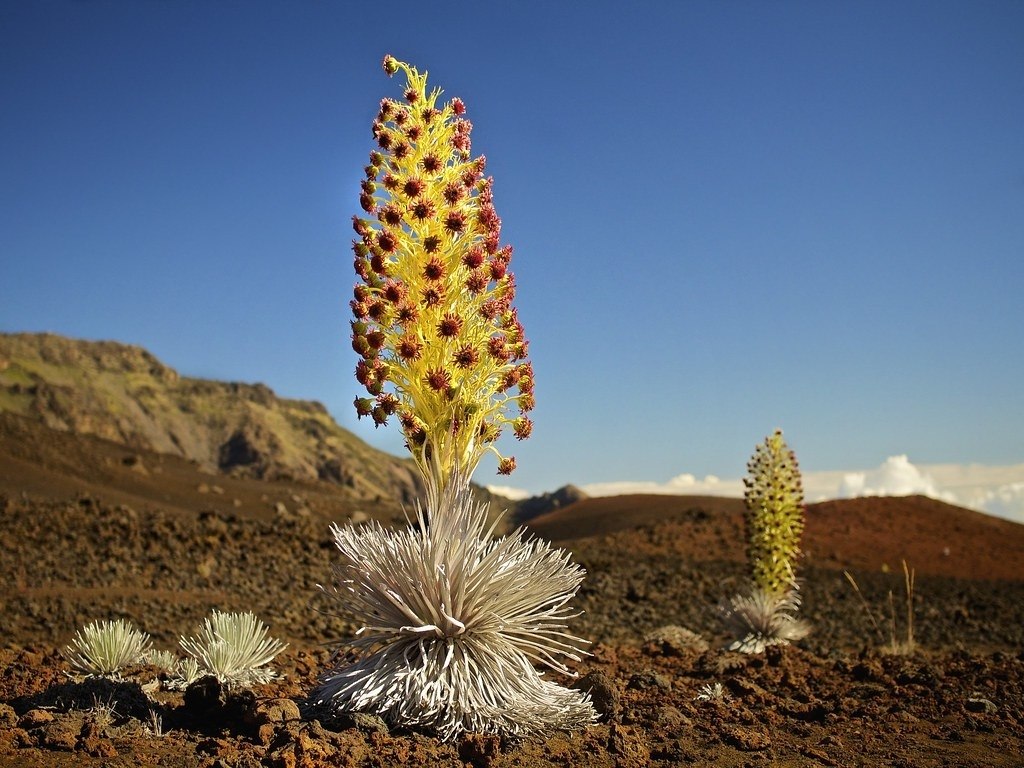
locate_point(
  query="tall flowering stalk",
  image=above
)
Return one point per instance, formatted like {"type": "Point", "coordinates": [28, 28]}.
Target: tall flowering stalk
{"type": "Point", "coordinates": [774, 498]}
{"type": "Point", "coordinates": [775, 521]}
{"type": "Point", "coordinates": [441, 344]}
{"type": "Point", "coordinates": [454, 620]}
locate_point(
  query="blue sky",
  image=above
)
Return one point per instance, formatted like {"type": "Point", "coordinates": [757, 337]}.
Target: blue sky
{"type": "Point", "coordinates": [728, 216]}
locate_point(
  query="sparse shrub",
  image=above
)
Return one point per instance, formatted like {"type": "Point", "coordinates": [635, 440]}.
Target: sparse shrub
{"type": "Point", "coordinates": [453, 618]}
{"type": "Point", "coordinates": [767, 615]}
{"type": "Point", "coordinates": [233, 647]}
{"type": "Point", "coordinates": [896, 645]}
{"type": "Point", "coordinates": [155, 723]}
{"type": "Point", "coordinates": [106, 647]}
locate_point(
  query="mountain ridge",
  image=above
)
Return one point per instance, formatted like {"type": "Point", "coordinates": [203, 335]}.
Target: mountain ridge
{"type": "Point", "coordinates": [123, 393]}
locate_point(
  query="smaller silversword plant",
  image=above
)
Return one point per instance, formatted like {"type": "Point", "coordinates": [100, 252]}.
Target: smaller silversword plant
{"type": "Point", "coordinates": [712, 692]}
{"type": "Point", "coordinates": [186, 672]}
{"type": "Point", "coordinates": [105, 647]}
{"type": "Point", "coordinates": [165, 661]}
{"type": "Point", "coordinates": [775, 520]}
{"type": "Point", "coordinates": [234, 648]}
{"type": "Point", "coordinates": [761, 619]}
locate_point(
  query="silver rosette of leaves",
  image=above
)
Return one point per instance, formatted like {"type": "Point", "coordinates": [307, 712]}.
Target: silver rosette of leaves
{"type": "Point", "coordinates": [454, 621]}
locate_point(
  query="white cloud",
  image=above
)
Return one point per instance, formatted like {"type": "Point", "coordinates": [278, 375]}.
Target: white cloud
{"type": "Point", "coordinates": [515, 494]}
{"type": "Point", "coordinates": [895, 477]}
{"type": "Point", "coordinates": [997, 490]}
{"type": "Point", "coordinates": [681, 485]}
{"type": "Point", "coordinates": [1005, 501]}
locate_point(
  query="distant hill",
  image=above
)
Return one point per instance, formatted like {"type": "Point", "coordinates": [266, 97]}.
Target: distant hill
{"type": "Point", "coordinates": [527, 509]}
{"type": "Point", "coordinates": [874, 534]}
{"type": "Point", "coordinates": [123, 394]}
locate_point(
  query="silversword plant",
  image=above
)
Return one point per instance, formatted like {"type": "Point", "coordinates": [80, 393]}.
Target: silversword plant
{"type": "Point", "coordinates": [453, 619]}
{"type": "Point", "coordinates": [186, 672]}
{"type": "Point", "coordinates": [709, 692]}
{"type": "Point", "coordinates": [105, 647]}
{"type": "Point", "coordinates": [233, 647]}
{"type": "Point", "coordinates": [767, 615]}
{"type": "Point", "coordinates": [163, 660]}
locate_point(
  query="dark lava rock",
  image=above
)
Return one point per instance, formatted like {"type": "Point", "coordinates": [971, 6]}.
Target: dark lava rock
{"type": "Point", "coordinates": [603, 694]}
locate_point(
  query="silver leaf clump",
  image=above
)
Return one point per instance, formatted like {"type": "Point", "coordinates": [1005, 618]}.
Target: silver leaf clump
{"type": "Point", "coordinates": [103, 648]}
{"type": "Point", "coordinates": [233, 647]}
{"type": "Point", "coordinates": [453, 622]}
{"type": "Point", "coordinates": [761, 619]}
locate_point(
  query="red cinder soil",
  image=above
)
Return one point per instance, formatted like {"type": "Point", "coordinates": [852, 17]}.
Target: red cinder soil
{"type": "Point", "coordinates": [77, 546]}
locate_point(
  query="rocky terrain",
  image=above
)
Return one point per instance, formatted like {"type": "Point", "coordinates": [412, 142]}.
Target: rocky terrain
{"type": "Point", "coordinates": [96, 526]}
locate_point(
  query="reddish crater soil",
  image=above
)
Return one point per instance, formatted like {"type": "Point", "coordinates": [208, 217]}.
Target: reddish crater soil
{"type": "Point", "coordinates": [93, 531]}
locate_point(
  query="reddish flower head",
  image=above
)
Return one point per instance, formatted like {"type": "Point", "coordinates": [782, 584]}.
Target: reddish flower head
{"type": "Point", "coordinates": [394, 291]}
{"type": "Point", "coordinates": [433, 269]}
{"type": "Point", "coordinates": [422, 210]}
{"type": "Point", "coordinates": [449, 326]}
{"type": "Point", "coordinates": [387, 242]}
{"type": "Point", "coordinates": [361, 227]}
{"type": "Point", "coordinates": [523, 427]}
{"type": "Point", "coordinates": [476, 282]}
{"type": "Point", "coordinates": [455, 222]}
{"type": "Point", "coordinates": [474, 257]}
{"type": "Point", "coordinates": [409, 347]}
{"type": "Point", "coordinates": [497, 269]}
{"type": "Point", "coordinates": [497, 349]}
{"type": "Point", "coordinates": [431, 297]}
{"type": "Point", "coordinates": [452, 193]}
{"type": "Point", "coordinates": [466, 356]}
{"type": "Point", "coordinates": [414, 186]}
{"type": "Point", "coordinates": [431, 163]}
{"type": "Point", "coordinates": [390, 215]}
{"type": "Point", "coordinates": [379, 263]}
{"type": "Point", "coordinates": [438, 379]}
{"type": "Point", "coordinates": [407, 313]}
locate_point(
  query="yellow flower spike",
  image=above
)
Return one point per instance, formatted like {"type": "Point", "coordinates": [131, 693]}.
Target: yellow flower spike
{"type": "Point", "coordinates": [434, 320]}
{"type": "Point", "coordinates": [775, 515]}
